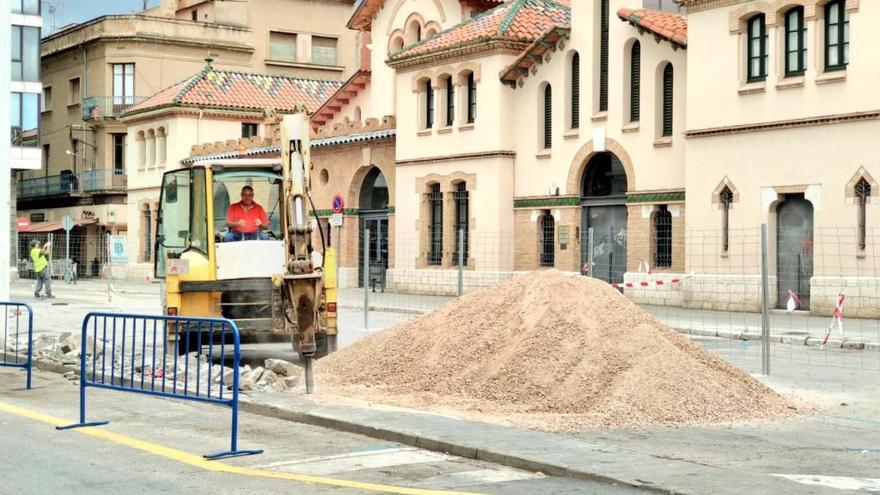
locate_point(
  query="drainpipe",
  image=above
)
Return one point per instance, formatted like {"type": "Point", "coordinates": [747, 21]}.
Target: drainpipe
{"type": "Point", "coordinates": [199, 127]}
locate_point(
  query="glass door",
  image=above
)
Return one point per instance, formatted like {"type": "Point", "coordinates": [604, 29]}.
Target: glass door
{"type": "Point", "coordinates": [609, 241]}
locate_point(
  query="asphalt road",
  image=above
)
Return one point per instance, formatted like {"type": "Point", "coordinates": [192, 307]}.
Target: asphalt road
{"type": "Point", "coordinates": [153, 445]}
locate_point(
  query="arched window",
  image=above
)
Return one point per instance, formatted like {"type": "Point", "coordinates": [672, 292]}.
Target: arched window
{"type": "Point", "coordinates": [795, 42]}
{"type": "Point", "coordinates": [396, 44]}
{"type": "Point", "coordinates": [575, 96]}
{"type": "Point", "coordinates": [757, 49]}
{"type": "Point", "coordinates": [435, 225]}
{"type": "Point", "coordinates": [863, 192]}
{"type": "Point", "coordinates": [413, 32]}
{"type": "Point", "coordinates": [429, 105]}
{"type": "Point", "coordinates": [603, 56]}
{"type": "Point", "coordinates": [726, 198]}
{"type": "Point", "coordinates": [461, 200]}
{"type": "Point", "coordinates": [141, 149]}
{"type": "Point", "coordinates": [662, 230]}
{"type": "Point", "coordinates": [836, 35]}
{"type": "Point", "coordinates": [667, 100]}
{"type": "Point", "coordinates": [151, 147]}
{"type": "Point", "coordinates": [547, 138]}
{"type": "Point", "coordinates": [449, 96]}
{"type": "Point", "coordinates": [471, 98]}
{"type": "Point", "coordinates": [547, 225]}
{"type": "Point", "coordinates": [357, 114]}
{"type": "Point", "coordinates": [161, 146]}
{"type": "Point", "coordinates": [635, 83]}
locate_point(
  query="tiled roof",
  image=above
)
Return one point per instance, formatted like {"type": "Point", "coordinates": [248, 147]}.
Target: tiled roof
{"type": "Point", "coordinates": [315, 143]}
{"type": "Point", "coordinates": [364, 10]}
{"type": "Point", "coordinates": [345, 93]}
{"type": "Point", "coordinates": [534, 54]}
{"type": "Point", "coordinates": [521, 21]}
{"type": "Point", "coordinates": [222, 89]}
{"type": "Point", "coordinates": [669, 26]}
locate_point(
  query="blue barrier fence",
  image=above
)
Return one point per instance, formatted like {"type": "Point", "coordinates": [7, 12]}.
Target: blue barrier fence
{"type": "Point", "coordinates": [15, 325]}
{"type": "Point", "coordinates": [165, 356]}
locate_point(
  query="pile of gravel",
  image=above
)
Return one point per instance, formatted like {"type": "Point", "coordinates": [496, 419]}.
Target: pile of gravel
{"type": "Point", "coordinates": [550, 351]}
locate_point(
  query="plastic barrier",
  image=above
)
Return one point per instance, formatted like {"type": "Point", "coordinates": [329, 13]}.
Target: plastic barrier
{"type": "Point", "coordinates": [12, 329]}
{"type": "Point", "coordinates": [163, 356]}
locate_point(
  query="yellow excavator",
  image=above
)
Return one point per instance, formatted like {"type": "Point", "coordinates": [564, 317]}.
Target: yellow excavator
{"type": "Point", "coordinates": [272, 281]}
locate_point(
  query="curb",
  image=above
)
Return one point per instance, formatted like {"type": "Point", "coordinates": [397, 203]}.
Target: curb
{"type": "Point", "coordinates": [807, 340]}
{"type": "Point", "coordinates": [440, 446]}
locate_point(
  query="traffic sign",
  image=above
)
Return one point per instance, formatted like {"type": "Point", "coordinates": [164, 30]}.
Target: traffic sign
{"type": "Point", "coordinates": [67, 223]}
{"type": "Point", "coordinates": [338, 204]}
{"type": "Point", "coordinates": [336, 220]}
{"type": "Point", "coordinates": [24, 224]}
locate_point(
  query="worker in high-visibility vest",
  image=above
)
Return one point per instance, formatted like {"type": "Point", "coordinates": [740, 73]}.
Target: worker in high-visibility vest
{"type": "Point", "coordinates": [40, 257]}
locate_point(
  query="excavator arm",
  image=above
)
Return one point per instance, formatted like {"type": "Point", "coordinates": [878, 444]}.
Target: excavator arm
{"type": "Point", "coordinates": [302, 284]}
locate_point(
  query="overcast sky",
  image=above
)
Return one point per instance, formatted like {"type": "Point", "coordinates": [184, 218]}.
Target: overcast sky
{"type": "Point", "coordinates": [69, 11]}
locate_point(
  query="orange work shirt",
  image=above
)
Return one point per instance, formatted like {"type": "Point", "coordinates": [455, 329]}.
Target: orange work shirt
{"type": "Point", "coordinates": [237, 211]}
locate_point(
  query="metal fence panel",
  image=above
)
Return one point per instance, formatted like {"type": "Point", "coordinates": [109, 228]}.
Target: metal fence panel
{"type": "Point", "coordinates": [18, 323]}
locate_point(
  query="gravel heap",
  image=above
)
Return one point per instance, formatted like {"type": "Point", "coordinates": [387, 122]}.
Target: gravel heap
{"type": "Point", "coordinates": [550, 351]}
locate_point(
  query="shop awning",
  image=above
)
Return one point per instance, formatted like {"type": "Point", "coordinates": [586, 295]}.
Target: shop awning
{"type": "Point", "coordinates": [38, 227]}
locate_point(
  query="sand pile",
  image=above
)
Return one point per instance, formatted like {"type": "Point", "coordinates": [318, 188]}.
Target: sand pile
{"type": "Point", "coordinates": [551, 351]}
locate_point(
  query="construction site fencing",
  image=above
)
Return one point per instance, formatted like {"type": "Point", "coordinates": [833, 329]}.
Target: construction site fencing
{"type": "Point", "coordinates": [86, 257]}
{"type": "Point", "coordinates": [18, 338]}
{"type": "Point", "coordinates": [822, 303]}
{"type": "Point", "coordinates": [194, 359]}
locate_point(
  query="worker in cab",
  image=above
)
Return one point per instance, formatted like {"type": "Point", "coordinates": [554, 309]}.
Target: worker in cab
{"type": "Point", "coordinates": [246, 219]}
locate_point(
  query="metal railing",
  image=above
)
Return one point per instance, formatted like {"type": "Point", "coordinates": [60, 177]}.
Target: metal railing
{"type": "Point", "coordinates": [104, 180]}
{"type": "Point", "coordinates": [18, 322]}
{"type": "Point", "coordinates": [108, 107]}
{"type": "Point", "coordinates": [162, 356]}
{"type": "Point", "coordinates": [65, 184]}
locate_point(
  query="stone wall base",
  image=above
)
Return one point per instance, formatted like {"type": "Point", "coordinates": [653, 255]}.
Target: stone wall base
{"type": "Point", "coordinates": [441, 282]}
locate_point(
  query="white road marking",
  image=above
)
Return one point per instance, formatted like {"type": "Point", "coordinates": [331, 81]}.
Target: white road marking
{"type": "Point", "coordinates": [354, 461]}
{"type": "Point", "coordinates": [871, 485]}
{"type": "Point", "coordinates": [461, 479]}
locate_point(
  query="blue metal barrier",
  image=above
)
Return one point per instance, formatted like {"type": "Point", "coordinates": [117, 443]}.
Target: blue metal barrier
{"type": "Point", "coordinates": [14, 359]}
{"type": "Point", "coordinates": [153, 354]}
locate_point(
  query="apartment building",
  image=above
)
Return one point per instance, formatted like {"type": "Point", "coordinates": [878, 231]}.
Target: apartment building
{"type": "Point", "coordinates": [20, 26]}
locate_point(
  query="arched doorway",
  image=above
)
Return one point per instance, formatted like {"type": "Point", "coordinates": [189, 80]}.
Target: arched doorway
{"type": "Point", "coordinates": [373, 213]}
{"type": "Point", "coordinates": [603, 203]}
{"type": "Point", "coordinates": [794, 249]}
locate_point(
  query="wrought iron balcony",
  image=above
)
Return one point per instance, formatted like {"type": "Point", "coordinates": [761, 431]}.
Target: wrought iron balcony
{"type": "Point", "coordinates": [108, 107]}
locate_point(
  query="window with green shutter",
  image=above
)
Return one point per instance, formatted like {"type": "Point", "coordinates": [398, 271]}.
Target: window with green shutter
{"type": "Point", "coordinates": [603, 56]}
{"type": "Point", "coordinates": [836, 35]}
{"type": "Point", "coordinates": [667, 100]}
{"type": "Point", "coordinates": [795, 42]}
{"type": "Point", "coordinates": [548, 117]}
{"type": "Point", "coordinates": [757, 49]}
{"type": "Point", "coordinates": [575, 91]}
{"type": "Point", "coordinates": [635, 86]}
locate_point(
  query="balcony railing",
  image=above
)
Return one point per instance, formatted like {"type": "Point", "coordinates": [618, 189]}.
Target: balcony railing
{"type": "Point", "coordinates": [104, 180]}
{"type": "Point", "coordinates": [108, 107]}
{"type": "Point", "coordinates": [91, 181]}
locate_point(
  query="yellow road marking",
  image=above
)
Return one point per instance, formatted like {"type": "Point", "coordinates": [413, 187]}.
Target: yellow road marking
{"type": "Point", "coordinates": [215, 466]}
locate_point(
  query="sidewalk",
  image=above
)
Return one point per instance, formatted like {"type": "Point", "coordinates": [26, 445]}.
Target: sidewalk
{"type": "Point", "coordinates": [797, 328]}
{"type": "Point", "coordinates": [759, 458]}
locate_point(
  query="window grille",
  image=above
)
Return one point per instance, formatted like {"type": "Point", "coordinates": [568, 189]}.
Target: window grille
{"type": "Point", "coordinates": [662, 238]}
{"type": "Point", "coordinates": [863, 192]}
{"type": "Point", "coordinates": [726, 197]}
{"type": "Point", "coordinates": [548, 233]}
{"type": "Point", "coordinates": [462, 211]}
{"type": "Point", "coordinates": [435, 231]}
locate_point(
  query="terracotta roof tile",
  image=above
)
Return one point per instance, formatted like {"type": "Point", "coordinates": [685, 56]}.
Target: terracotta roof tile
{"type": "Point", "coordinates": [223, 89]}
{"type": "Point", "coordinates": [364, 10]}
{"type": "Point", "coordinates": [669, 26]}
{"type": "Point", "coordinates": [517, 20]}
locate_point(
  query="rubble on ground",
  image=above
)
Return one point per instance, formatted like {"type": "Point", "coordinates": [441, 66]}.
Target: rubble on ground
{"type": "Point", "coordinates": [549, 351]}
{"type": "Point", "coordinates": [64, 351]}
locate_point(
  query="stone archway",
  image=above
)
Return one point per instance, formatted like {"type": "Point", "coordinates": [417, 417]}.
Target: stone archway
{"type": "Point", "coordinates": [582, 158]}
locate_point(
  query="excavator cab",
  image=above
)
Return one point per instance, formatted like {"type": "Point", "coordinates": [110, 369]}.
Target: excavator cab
{"type": "Point", "coordinates": [211, 272]}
